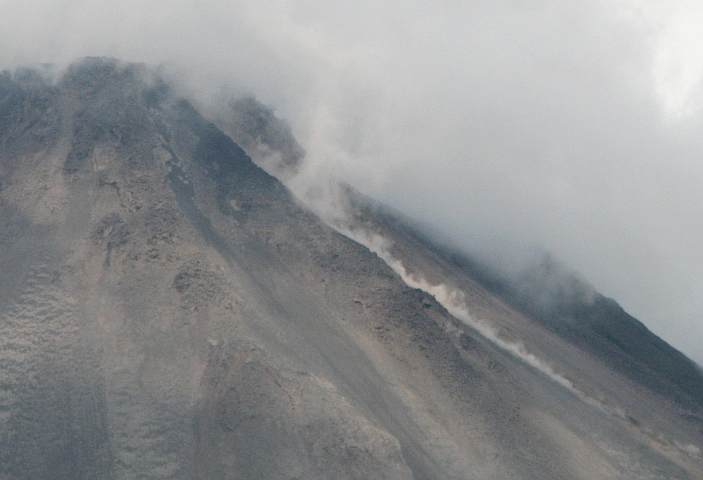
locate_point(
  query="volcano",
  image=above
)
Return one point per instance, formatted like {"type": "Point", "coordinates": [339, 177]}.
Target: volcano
{"type": "Point", "coordinates": [170, 310]}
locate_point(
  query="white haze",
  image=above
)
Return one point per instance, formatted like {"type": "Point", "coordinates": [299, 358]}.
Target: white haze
{"type": "Point", "coordinates": [570, 125]}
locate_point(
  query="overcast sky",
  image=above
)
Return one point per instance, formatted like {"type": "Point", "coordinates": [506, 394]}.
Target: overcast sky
{"type": "Point", "coordinates": [570, 125]}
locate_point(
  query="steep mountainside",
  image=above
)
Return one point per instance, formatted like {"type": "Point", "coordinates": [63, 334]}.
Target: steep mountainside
{"type": "Point", "coordinates": [597, 324]}
{"type": "Point", "coordinates": [168, 311]}
{"type": "Point", "coordinates": [558, 299]}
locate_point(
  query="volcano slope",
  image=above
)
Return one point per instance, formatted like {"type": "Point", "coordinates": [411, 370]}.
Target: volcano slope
{"type": "Point", "coordinates": [168, 311]}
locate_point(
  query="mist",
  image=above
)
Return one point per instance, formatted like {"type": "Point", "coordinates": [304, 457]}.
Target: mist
{"type": "Point", "coordinates": [571, 127]}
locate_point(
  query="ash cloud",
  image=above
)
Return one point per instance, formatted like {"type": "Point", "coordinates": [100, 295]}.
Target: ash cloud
{"type": "Point", "coordinates": [572, 127]}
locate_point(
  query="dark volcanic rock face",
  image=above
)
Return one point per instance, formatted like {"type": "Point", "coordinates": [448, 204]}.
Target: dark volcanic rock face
{"type": "Point", "coordinates": [167, 311]}
{"type": "Point", "coordinates": [265, 137]}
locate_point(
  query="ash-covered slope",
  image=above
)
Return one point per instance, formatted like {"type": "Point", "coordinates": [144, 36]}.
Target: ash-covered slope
{"type": "Point", "coordinates": [167, 311]}
{"type": "Point", "coordinates": [545, 291]}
